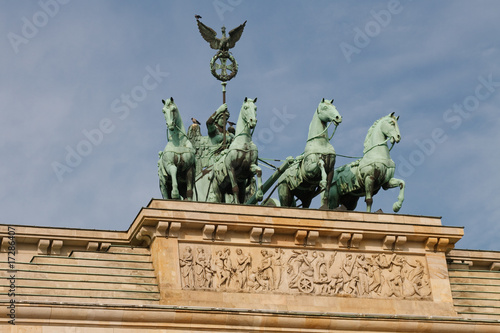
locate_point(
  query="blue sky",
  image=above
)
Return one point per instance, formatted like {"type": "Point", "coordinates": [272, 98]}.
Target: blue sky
{"type": "Point", "coordinates": [75, 70]}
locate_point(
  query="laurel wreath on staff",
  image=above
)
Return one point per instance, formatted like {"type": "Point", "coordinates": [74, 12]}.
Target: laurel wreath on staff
{"type": "Point", "coordinates": [222, 44]}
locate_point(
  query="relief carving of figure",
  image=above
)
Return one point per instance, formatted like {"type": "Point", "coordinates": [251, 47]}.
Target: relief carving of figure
{"type": "Point", "coordinates": [348, 279]}
{"type": "Point", "coordinates": [321, 278]}
{"type": "Point", "coordinates": [361, 267]}
{"type": "Point", "coordinates": [265, 271]}
{"type": "Point", "coordinates": [343, 273]}
{"type": "Point", "coordinates": [297, 263]}
{"type": "Point", "coordinates": [413, 281]}
{"type": "Point", "coordinates": [186, 263]}
{"type": "Point", "coordinates": [395, 280]}
{"type": "Point", "coordinates": [199, 268]}
{"type": "Point", "coordinates": [210, 272]}
{"type": "Point", "coordinates": [224, 268]}
{"type": "Point", "coordinates": [336, 278]}
{"type": "Point", "coordinates": [243, 264]}
{"type": "Point", "coordinates": [278, 267]}
{"type": "Point", "coordinates": [301, 269]}
{"type": "Point", "coordinates": [219, 269]}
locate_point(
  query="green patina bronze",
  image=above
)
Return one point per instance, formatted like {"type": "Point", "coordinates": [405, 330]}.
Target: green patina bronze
{"type": "Point", "coordinates": [375, 170]}
{"type": "Point", "coordinates": [176, 166]}
{"type": "Point", "coordinates": [208, 147]}
{"type": "Point", "coordinates": [312, 171]}
{"type": "Point", "coordinates": [226, 165]}
{"type": "Point", "coordinates": [223, 65]}
{"type": "Point", "coordinates": [221, 167]}
{"type": "Point", "coordinates": [235, 169]}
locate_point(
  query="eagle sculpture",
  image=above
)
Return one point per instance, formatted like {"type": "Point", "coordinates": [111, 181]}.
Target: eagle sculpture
{"type": "Point", "coordinates": [224, 43]}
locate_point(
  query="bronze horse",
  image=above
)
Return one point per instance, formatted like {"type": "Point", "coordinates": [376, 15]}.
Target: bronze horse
{"type": "Point", "coordinates": [176, 166]}
{"type": "Point", "coordinates": [237, 165]}
{"type": "Point", "coordinates": [313, 170]}
{"type": "Point", "coordinates": [375, 170]}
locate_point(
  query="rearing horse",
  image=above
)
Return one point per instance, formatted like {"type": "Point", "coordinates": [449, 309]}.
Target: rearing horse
{"type": "Point", "coordinates": [366, 176]}
{"type": "Point", "coordinates": [316, 165]}
{"type": "Point", "coordinates": [234, 170]}
{"type": "Point", "coordinates": [176, 166]}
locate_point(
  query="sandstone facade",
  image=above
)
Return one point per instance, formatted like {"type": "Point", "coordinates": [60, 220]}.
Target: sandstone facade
{"type": "Point", "coordinates": [198, 267]}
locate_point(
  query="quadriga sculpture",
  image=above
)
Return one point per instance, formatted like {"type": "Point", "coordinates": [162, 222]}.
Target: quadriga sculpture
{"type": "Point", "coordinates": [176, 166]}
{"type": "Point", "coordinates": [366, 176]}
{"type": "Point", "coordinates": [237, 165]}
{"type": "Point", "coordinates": [315, 167]}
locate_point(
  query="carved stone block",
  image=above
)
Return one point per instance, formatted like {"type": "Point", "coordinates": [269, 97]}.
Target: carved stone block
{"type": "Point", "coordinates": [92, 246]}
{"type": "Point", "coordinates": [400, 242]}
{"type": "Point", "coordinates": [104, 247]}
{"type": "Point", "coordinates": [5, 244]}
{"type": "Point", "coordinates": [430, 244]}
{"type": "Point", "coordinates": [220, 232]}
{"type": "Point", "coordinates": [388, 242]}
{"type": "Point", "coordinates": [460, 264]}
{"type": "Point", "coordinates": [442, 245]}
{"type": "Point", "coordinates": [43, 246]}
{"type": "Point", "coordinates": [312, 236]}
{"type": "Point", "coordinates": [56, 246]}
{"type": "Point", "coordinates": [267, 234]}
{"type": "Point", "coordinates": [344, 239]}
{"type": "Point", "coordinates": [173, 230]}
{"type": "Point", "coordinates": [300, 237]}
{"type": "Point", "coordinates": [495, 266]}
{"type": "Point", "coordinates": [255, 235]}
{"type": "Point", "coordinates": [145, 235]}
{"type": "Point", "coordinates": [356, 240]}
{"type": "Point", "coordinates": [208, 231]}
{"type": "Point", "coordinates": [162, 228]}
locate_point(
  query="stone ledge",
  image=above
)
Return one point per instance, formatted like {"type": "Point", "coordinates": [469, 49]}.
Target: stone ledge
{"type": "Point", "coordinates": [164, 317]}
{"type": "Point", "coordinates": [476, 259]}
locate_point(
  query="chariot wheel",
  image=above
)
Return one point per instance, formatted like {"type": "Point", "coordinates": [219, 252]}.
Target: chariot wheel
{"type": "Point", "coordinates": [223, 66]}
{"type": "Point", "coordinates": [305, 285]}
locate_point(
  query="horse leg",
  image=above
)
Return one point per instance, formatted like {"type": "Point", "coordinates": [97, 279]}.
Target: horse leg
{"type": "Point", "coordinates": [189, 183]}
{"type": "Point", "coordinates": [162, 174]}
{"type": "Point", "coordinates": [369, 181]}
{"type": "Point", "coordinates": [285, 195]}
{"type": "Point", "coordinates": [323, 184]}
{"type": "Point", "coordinates": [234, 185]}
{"type": "Point", "coordinates": [333, 197]}
{"type": "Point", "coordinates": [256, 170]}
{"type": "Point", "coordinates": [325, 199]}
{"type": "Point", "coordinates": [172, 171]}
{"type": "Point", "coordinates": [217, 193]}
{"type": "Point", "coordinates": [393, 182]}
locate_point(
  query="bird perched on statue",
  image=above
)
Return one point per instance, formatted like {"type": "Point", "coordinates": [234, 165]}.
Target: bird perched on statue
{"type": "Point", "coordinates": [224, 43]}
{"type": "Point", "coordinates": [197, 17]}
{"type": "Point", "coordinates": [195, 121]}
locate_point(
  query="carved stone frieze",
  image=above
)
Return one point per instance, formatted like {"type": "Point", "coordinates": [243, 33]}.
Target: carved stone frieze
{"type": "Point", "coordinates": [281, 270]}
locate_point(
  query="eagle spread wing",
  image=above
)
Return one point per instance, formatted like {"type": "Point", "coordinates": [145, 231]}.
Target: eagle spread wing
{"type": "Point", "coordinates": [235, 34]}
{"type": "Point", "coordinates": [209, 34]}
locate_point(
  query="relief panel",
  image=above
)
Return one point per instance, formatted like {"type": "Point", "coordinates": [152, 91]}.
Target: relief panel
{"type": "Point", "coordinates": [281, 270]}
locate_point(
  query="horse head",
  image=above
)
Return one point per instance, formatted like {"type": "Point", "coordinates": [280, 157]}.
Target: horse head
{"type": "Point", "coordinates": [327, 112]}
{"type": "Point", "coordinates": [249, 112]}
{"type": "Point", "coordinates": [171, 113]}
{"type": "Point", "coordinates": [390, 128]}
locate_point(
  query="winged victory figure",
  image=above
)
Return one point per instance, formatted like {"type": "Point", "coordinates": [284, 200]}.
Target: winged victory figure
{"type": "Point", "coordinates": [224, 43]}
